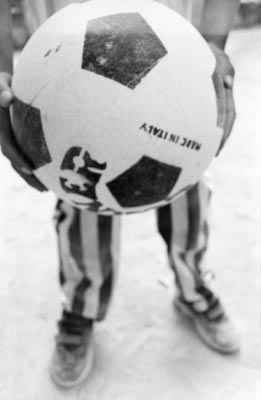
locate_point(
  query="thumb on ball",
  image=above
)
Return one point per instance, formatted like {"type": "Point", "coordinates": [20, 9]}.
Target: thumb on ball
{"type": "Point", "coordinates": [6, 98]}
{"type": "Point", "coordinates": [6, 94]}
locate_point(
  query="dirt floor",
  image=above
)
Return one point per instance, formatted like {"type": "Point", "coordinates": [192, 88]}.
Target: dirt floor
{"type": "Point", "coordinates": [144, 350]}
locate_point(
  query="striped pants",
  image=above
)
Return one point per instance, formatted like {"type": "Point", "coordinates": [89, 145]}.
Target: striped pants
{"type": "Point", "coordinates": [89, 251]}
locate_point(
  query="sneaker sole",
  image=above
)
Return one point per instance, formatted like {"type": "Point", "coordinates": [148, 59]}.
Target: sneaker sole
{"type": "Point", "coordinates": [71, 384]}
{"type": "Point", "coordinates": [182, 309]}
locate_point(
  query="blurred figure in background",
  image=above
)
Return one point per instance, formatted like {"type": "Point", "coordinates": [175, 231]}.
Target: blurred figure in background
{"type": "Point", "coordinates": [249, 14]}
{"type": "Point", "coordinates": [27, 15]}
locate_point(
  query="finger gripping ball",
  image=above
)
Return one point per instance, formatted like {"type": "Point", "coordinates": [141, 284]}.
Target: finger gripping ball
{"type": "Point", "coordinates": [115, 105]}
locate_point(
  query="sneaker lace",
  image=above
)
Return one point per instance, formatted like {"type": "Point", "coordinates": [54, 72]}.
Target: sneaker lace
{"type": "Point", "coordinates": [73, 331]}
{"type": "Point", "coordinates": [215, 311]}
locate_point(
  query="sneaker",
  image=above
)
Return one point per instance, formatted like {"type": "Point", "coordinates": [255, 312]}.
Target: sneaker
{"type": "Point", "coordinates": [213, 325]}
{"type": "Point", "coordinates": [72, 359]}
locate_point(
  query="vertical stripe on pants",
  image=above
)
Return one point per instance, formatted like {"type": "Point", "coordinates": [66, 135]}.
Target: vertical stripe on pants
{"type": "Point", "coordinates": [183, 226]}
{"type": "Point", "coordinates": [88, 248]}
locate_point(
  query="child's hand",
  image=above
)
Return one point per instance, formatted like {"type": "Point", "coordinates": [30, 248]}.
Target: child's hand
{"type": "Point", "coordinates": [223, 81]}
{"type": "Point", "coordinates": [7, 139]}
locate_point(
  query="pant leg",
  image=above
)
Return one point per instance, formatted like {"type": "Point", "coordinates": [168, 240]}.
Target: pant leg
{"type": "Point", "coordinates": [184, 226]}
{"type": "Point", "coordinates": [88, 254]}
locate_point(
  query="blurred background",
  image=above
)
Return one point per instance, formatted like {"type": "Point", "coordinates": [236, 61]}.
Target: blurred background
{"type": "Point", "coordinates": [249, 15]}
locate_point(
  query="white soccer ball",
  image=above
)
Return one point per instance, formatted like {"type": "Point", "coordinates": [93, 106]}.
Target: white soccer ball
{"type": "Point", "coordinates": [115, 105]}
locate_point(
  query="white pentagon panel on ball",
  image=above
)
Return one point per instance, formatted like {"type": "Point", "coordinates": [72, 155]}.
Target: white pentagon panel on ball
{"type": "Point", "coordinates": [115, 105]}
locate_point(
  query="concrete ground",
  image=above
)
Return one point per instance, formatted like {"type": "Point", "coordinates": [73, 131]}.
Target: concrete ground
{"type": "Point", "coordinates": [144, 350]}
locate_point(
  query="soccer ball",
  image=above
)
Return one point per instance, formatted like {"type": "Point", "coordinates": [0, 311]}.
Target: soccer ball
{"type": "Point", "coordinates": [115, 105]}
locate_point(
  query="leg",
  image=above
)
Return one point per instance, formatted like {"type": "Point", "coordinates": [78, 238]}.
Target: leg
{"type": "Point", "coordinates": [183, 225]}
{"type": "Point", "coordinates": [89, 254]}
{"type": "Point", "coordinates": [88, 250]}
